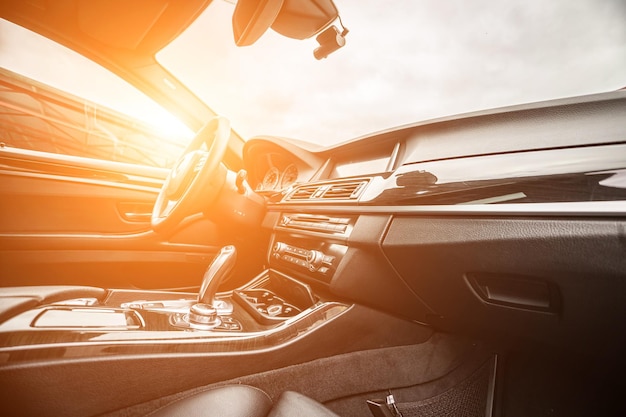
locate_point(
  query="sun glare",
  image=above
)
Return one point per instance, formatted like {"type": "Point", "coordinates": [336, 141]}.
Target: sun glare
{"type": "Point", "coordinates": [23, 52]}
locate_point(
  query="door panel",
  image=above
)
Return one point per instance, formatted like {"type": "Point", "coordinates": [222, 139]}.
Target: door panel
{"type": "Point", "coordinates": [49, 203]}
{"type": "Point", "coordinates": [72, 220]}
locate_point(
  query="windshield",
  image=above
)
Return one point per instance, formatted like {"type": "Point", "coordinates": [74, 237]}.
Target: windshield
{"type": "Point", "coordinates": [404, 61]}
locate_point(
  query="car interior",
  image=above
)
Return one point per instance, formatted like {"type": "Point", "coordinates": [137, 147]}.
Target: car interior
{"type": "Point", "coordinates": [465, 266]}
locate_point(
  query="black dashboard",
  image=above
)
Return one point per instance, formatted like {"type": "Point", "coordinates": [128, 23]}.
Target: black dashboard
{"type": "Point", "coordinates": [481, 159]}
{"type": "Point", "coordinates": [435, 221]}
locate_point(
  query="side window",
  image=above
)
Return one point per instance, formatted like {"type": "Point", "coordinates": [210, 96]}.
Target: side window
{"type": "Point", "coordinates": [55, 100]}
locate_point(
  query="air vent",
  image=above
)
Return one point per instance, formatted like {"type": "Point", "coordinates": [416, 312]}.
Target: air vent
{"type": "Point", "coordinates": [316, 223]}
{"type": "Point", "coordinates": [342, 191]}
{"type": "Point", "coordinates": [303, 193]}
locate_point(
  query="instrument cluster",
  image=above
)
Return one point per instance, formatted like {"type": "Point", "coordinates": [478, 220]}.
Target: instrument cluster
{"type": "Point", "coordinates": [276, 179]}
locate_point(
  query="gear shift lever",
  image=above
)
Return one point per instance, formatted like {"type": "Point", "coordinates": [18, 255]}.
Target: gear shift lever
{"type": "Point", "coordinates": [203, 314]}
{"type": "Point", "coordinates": [216, 273]}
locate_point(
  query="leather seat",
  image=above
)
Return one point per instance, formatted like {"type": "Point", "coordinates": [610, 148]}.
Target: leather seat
{"type": "Point", "coordinates": [243, 401]}
{"type": "Point", "coordinates": [292, 404]}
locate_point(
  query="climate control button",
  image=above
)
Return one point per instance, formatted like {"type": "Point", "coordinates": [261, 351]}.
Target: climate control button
{"type": "Point", "coordinates": [315, 259]}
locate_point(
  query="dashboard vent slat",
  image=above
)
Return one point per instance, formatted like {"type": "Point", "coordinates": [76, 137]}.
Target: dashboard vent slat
{"type": "Point", "coordinates": [303, 193]}
{"type": "Point", "coordinates": [343, 191]}
{"type": "Point", "coordinates": [337, 191]}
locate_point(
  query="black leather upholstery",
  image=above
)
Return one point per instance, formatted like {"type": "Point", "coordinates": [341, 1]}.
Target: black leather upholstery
{"type": "Point", "coordinates": [292, 404]}
{"type": "Point", "coordinates": [243, 401]}
{"type": "Point", "coordinates": [226, 401]}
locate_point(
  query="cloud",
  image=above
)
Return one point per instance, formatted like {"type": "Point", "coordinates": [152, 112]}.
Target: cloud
{"type": "Point", "coordinates": [407, 61]}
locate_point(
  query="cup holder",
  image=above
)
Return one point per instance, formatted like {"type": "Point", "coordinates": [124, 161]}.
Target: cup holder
{"type": "Point", "coordinates": [273, 298]}
{"type": "Point", "coordinates": [269, 306]}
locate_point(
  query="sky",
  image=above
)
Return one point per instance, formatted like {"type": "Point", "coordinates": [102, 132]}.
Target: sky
{"type": "Point", "coordinates": [404, 61]}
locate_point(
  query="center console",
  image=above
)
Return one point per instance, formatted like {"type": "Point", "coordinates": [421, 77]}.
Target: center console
{"type": "Point", "coordinates": [57, 340]}
{"type": "Point", "coordinates": [313, 261]}
{"type": "Point", "coordinates": [271, 309]}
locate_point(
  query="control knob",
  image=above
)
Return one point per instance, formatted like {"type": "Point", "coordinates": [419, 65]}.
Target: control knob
{"type": "Point", "coordinates": [279, 249]}
{"type": "Point", "coordinates": [314, 259]}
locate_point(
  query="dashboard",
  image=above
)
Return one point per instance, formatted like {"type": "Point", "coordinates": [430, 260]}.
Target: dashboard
{"type": "Point", "coordinates": [275, 165]}
{"type": "Point", "coordinates": [378, 220]}
{"type": "Point", "coordinates": [463, 161]}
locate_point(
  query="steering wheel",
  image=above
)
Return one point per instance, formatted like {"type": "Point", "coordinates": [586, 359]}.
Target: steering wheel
{"type": "Point", "coordinates": [196, 178]}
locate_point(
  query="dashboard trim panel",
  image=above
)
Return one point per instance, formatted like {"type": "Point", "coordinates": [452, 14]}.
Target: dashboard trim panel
{"type": "Point", "coordinates": [568, 209]}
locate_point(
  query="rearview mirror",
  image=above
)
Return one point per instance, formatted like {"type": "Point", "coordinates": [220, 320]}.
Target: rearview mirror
{"type": "Point", "coordinates": [252, 18]}
{"type": "Point", "coordinates": [296, 19]}
{"type": "Point", "coordinates": [301, 19]}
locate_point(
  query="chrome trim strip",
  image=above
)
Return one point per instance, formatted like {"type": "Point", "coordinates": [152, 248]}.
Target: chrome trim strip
{"type": "Point", "coordinates": [149, 235]}
{"type": "Point", "coordinates": [497, 199]}
{"type": "Point", "coordinates": [393, 158]}
{"type": "Point", "coordinates": [578, 209]}
{"type": "Point", "coordinates": [491, 390]}
{"type": "Point", "coordinates": [79, 235]}
{"type": "Point", "coordinates": [154, 189]}
{"type": "Point", "coordinates": [20, 155]}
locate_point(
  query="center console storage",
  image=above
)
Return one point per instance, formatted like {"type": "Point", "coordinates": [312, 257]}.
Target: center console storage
{"type": "Point", "coordinates": [68, 317]}
{"type": "Point", "coordinates": [273, 297]}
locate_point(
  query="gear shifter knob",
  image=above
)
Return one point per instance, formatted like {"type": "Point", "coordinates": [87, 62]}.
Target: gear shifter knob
{"type": "Point", "coordinates": [216, 273]}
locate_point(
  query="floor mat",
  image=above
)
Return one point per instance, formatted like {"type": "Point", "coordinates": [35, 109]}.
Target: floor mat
{"type": "Point", "coordinates": [470, 398]}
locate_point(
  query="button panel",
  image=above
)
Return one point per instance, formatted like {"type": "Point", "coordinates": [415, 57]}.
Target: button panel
{"type": "Point", "coordinates": [311, 259]}
{"type": "Point", "coordinates": [229, 324]}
